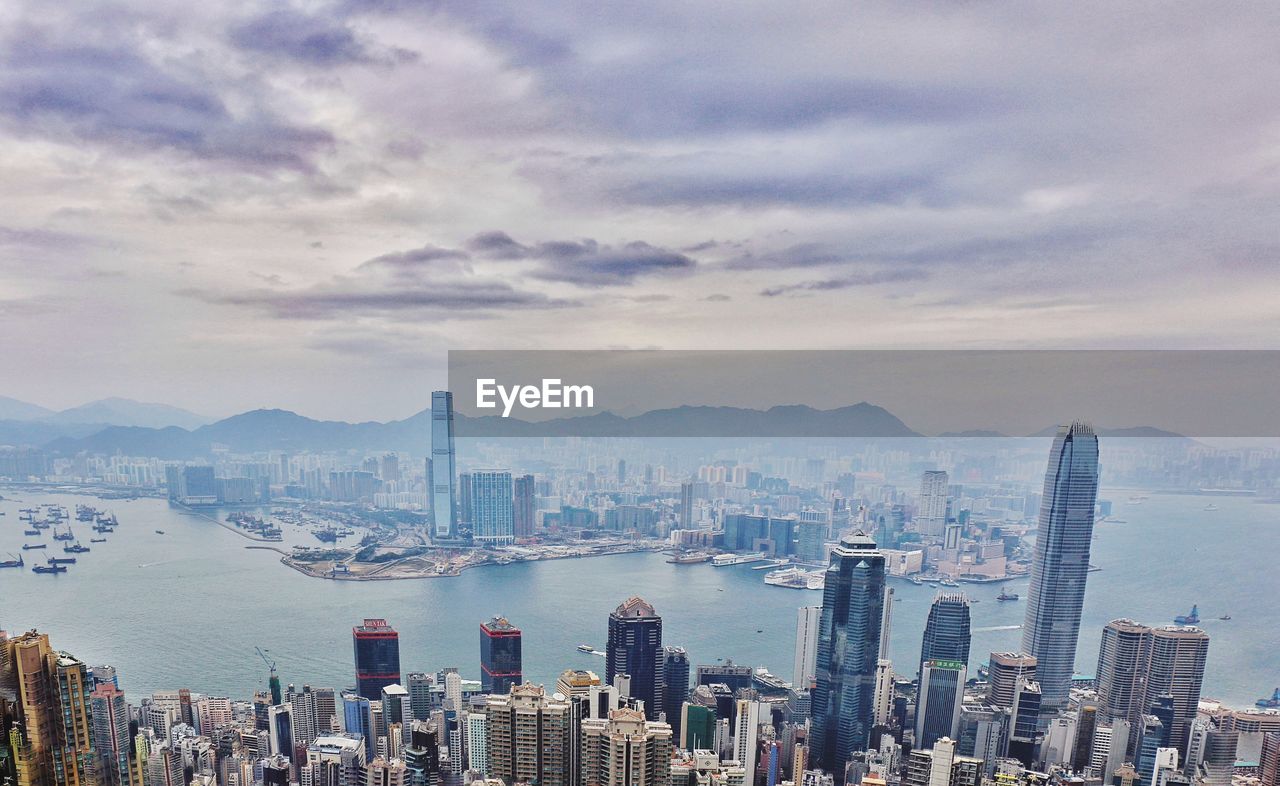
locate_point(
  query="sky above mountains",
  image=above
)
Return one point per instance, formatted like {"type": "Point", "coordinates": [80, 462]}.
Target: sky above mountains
{"type": "Point", "coordinates": [306, 205]}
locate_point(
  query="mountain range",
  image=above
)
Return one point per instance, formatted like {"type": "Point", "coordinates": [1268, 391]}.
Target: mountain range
{"type": "Point", "coordinates": [103, 412]}
{"type": "Point", "coordinates": [277, 429]}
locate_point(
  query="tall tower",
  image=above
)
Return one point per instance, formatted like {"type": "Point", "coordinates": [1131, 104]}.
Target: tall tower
{"type": "Point", "coordinates": [444, 508]}
{"type": "Point", "coordinates": [806, 659]}
{"type": "Point", "coordinates": [1004, 671]}
{"type": "Point", "coordinates": [111, 740]}
{"type": "Point", "coordinates": [492, 512]}
{"type": "Point", "coordinates": [938, 708]}
{"type": "Point", "coordinates": [1124, 657]}
{"type": "Point", "coordinates": [675, 685]}
{"type": "Point", "coordinates": [52, 742]}
{"type": "Point", "coordinates": [634, 648]}
{"type": "Point", "coordinates": [500, 658]}
{"type": "Point", "coordinates": [524, 490]}
{"type": "Point", "coordinates": [377, 653]}
{"type": "Point", "coordinates": [1060, 566]}
{"type": "Point", "coordinates": [1178, 656]}
{"type": "Point", "coordinates": [932, 517]}
{"type": "Point", "coordinates": [946, 632]}
{"type": "Point", "coordinates": [843, 701]}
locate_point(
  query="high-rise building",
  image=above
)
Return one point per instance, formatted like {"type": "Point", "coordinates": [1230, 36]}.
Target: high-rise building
{"type": "Point", "coordinates": [946, 632]}
{"type": "Point", "coordinates": [1003, 672]}
{"type": "Point", "coordinates": [524, 493]}
{"type": "Point", "coordinates": [333, 760]}
{"type": "Point", "coordinates": [500, 658]}
{"type": "Point", "coordinates": [377, 655]}
{"type": "Point", "coordinates": [842, 707]}
{"type": "Point", "coordinates": [686, 505]}
{"type": "Point", "coordinates": [634, 648]}
{"type": "Point", "coordinates": [746, 733]}
{"type": "Point", "coordinates": [529, 737]}
{"type": "Point", "coordinates": [806, 657]}
{"type": "Point", "coordinates": [1178, 657]}
{"type": "Point", "coordinates": [444, 509]}
{"type": "Point", "coordinates": [478, 742]}
{"type": "Point", "coordinates": [111, 739]}
{"type": "Point", "coordinates": [626, 750]}
{"type": "Point", "coordinates": [1124, 657]}
{"type": "Point", "coordinates": [675, 685]}
{"type": "Point", "coordinates": [938, 705]}
{"type": "Point", "coordinates": [492, 512]}
{"type": "Point", "coordinates": [931, 519]}
{"type": "Point", "coordinates": [697, 727]}
{"type": "Point", "coordinates": [51, 742]}
{"type": "Point", "coordinates": [1060, 565]}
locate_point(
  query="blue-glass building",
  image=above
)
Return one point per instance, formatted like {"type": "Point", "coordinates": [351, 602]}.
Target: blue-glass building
{"type": "Point", "coordinates": [634, 647]}
{"type": "Point", "coordinates": [946, 632]}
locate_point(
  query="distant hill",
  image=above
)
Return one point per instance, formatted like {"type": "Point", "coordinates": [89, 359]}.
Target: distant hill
{"type": "Point", "coordinates": [13, 409]}
{"type": "Point", "coordinates": [1132, 431]}
{"type": "Point", "coordinates": [127, 412]}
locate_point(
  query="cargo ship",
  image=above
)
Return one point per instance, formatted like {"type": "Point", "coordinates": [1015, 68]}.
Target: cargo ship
{"type": "Point", "coordinates": [62, 560]}
{"type": "Point", "coordinates": [49, 569]}
{"type": "Point", "coordinates": [68, 535]}
{"type": "Point", "coordinates": [12, 563]}
{"type": "Point", "coordinates": [30, 546]}
{"type": "Point", "coordinates": [1189, 619]}
{"type": "Point", "coordinates": [1006, 595]}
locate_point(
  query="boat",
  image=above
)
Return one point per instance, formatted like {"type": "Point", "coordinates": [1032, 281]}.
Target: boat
{"type": "Point", "coordinates": [727, 560]}
{"type": "Point", "coordinates": [1189, 619]}
{"type": "Point", "coordinates": [31, 532]}
{"type": "Point", "coordinates": [691, 558]}
{"type": "Point", "coordinates": [1211, 506]}
{"type": "Point", "coordinates": [586, 648]}
{"type": "Point", "coordinates": [796, 578]}
{"type": "Point", "coordinates": [68, 535]}
{"type": "Point", "coordinates": [49, 569]}
{"type": "Point", "coordinates": [159, 532]}
{"type": "Point", "coordinates": [916, 581]}
{"type": "Point", "coordinates": [12, 563]}
{"type": "Point", "coordinates": [76, 549]}
{"type": "Point", "coordinates": [1225, 617]}
{"type": "Point", "coordinates": [1006, 595]}
{"type": "Point", "coordinates": [62, 560]}
{"type": "Point", "coordinates": [1271, 703]}
{"type": "Point", "coordinates": [949, 582]}
{"type": "Point", "coordinates": [97, 540]}
{"type": "Point", "coordinates": [30, 546]}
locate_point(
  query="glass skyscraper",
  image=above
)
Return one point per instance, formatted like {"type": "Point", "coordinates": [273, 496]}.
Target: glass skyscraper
{"type": "Point", "coordinates": [500, 656]}
{"type": "Point", "coordinates": [444, 510]}
{"type": "Point", "coordinates": [1060, 565]}
{"type": "Point", "coordinates": [946, 632]}
{"type": "Point", "coordinates": [634, 648]}
{"type": "Point", "coordinates": [377, 654]}
{"type": "Point", "coordinates": [843, 699]}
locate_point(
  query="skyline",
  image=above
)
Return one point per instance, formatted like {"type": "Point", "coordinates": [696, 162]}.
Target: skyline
{"type": "Point", "coordinates": [197, 199]}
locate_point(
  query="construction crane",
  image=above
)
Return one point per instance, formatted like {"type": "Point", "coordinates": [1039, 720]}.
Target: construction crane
{"type": "Point", "coordinates": [274, 681]}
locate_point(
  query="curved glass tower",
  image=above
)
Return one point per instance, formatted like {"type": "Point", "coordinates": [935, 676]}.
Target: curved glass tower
{"type": "Point", "coordinates": [1060, 566]}
{"type": "Point", "coordinates": [946, 633]}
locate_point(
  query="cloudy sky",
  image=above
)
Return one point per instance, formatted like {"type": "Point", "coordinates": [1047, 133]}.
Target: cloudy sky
{"type": "Point", "coordinates": [306, 205]}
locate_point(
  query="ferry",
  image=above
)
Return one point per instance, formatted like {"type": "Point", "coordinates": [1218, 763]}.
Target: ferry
{"type": "Point", "coordinates": [587, 648]}
{"type": "Point", "coordinates": [12, 563]}
{"type": "Point", "coordinates": [949, 582]}
{"type": "Point", "coordinates": [30, 546]}
{"type": "Point", "coordinates": [691, 558]}
{"type": "Point", "coordinates": [796, 578]}
{"type": "Point", "coordinates": [49, 569]}
{"type": "Point", "coordinates": [727, 560]}
{"type": "Point", "coordinates": [1189, 619]}
{"type": "Point", "coordinates": [1006, 595]}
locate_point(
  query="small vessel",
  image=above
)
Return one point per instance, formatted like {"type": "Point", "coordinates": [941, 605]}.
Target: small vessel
{"type": "Point", "coordinates": [68, 535]}
{"type": "Point", "coordinates": [97, 540]}
{"type": "Point", "coordinates": [30, 546]}
{"type": "Point", "coordinates": [76, 549]}
{"type": "Point", "coordinates": [1189, 619]}
{"type": "Point", "coordinates": [49, 569]}
{"type": "Point", "coordinates": [31, 532]}
{"type": "Point", "coordinates": [916, 581]}
{"type": "Point", "coordinates": [12, 563]}
{"type": "Point", "coordinates": [1211, 506]}
{"type": "Point", "coordinates": [1007, 595]}
{"type": "Point", "coordinates": [949, 582]}
{"type": "Point", "coordinates": [1225, 617]}
{"type": "Point", "coordinates": [62, 560]}
{"type": "Point", "coordinates": [1271, 703]}
{"type": "Point", "coordinates": [586, 648]}
{"type": "Point", "coordinates": [159, 532]}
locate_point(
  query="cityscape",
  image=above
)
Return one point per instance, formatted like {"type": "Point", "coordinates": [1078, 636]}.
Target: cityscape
{"type": "Point", "coordinates": [564, 393]}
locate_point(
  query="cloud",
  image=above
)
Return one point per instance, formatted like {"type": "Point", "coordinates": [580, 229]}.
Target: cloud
{"type": "Point", "coordinates": [113, 93]}
{"type": "Point", "coordinates": [428, 259]}
{"type": "Point", "coordinates": [866, 279]}
{"type": "Point", "coordinates": [586, 262]}
{"type": "Point", "coordinates": [307, 39]}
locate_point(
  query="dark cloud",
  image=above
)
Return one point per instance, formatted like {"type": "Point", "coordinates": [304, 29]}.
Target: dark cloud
{"type": "Point", "coordinates": [307, 39]}
{"type": "Point", "coordinates": [445, 299]}
{"type": "Point", "coordinates": [865, 279]}
{"type": "Point", "coordinates": [419, 261]}
{"type": "Point", "coordinates": [585, 262]}
{"type": "Point", "coordinates": [114, 94]}
{"type": "Point", "coordinates": [498, 245]}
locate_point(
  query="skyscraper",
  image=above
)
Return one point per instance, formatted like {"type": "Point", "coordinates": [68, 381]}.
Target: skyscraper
{"type": "Point", "coordinates": [843, 701]}
{"type": "Point", "coordinates": [931, 519]}
{"type": "Point", "coordinates": [806, 657]}
{"type": "Point", "coordinates": [1178, 657]}
{"type": "Point", "coordinates": [444, 509]}
{"type": "Point", "coordinates": [938, 706]}
{"type": "Point", "coordinates": [946, 632]}
{"type": "Point", "coordinates": [746, 733]}
{"type": "Point", "coordinates": [1004, 671]}
{"type": "Point", "coordinates": [675, 685]}
{"type": "Point", "coordinates": [524, 491]}
{"type": "Point", "coordinates": [500, 658]}
{"type": "Point", "coordinates": [1124, 657]}
{"type": "Point", "coordinates": [377, 655]}
{"type": "Point", "coordinates": [111, 740]}
{"type": "Point", "coordinates": [626, 750]}
{"type": "Point", "coordinates": [634, 648]}
{"type": "Point", "coordinates": [492, 512]}
{"type": "Point", "coordinates": [1060, 565]}
{"type": "Point", "coordinates": [52, 742]}
{"type": "Point", "coordinates": [529, 737]}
